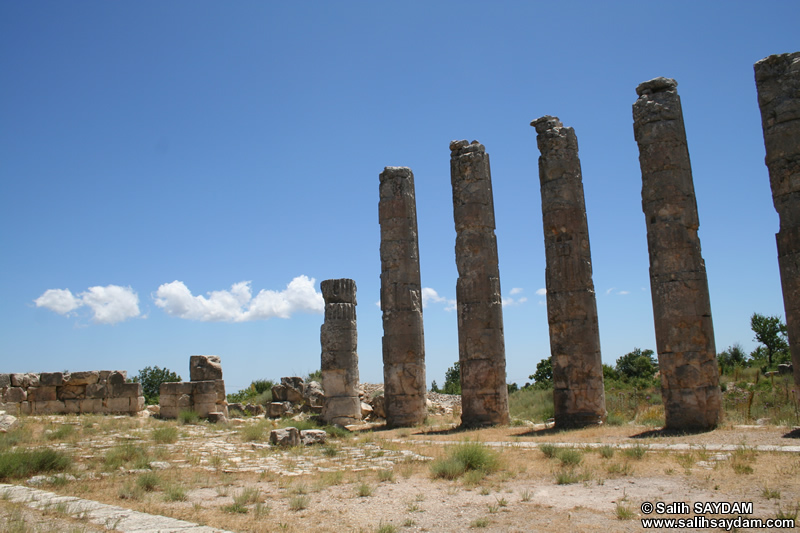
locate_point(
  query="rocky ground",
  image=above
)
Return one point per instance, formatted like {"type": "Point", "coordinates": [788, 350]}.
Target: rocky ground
{"type": "Point", "coordinates": [381, 480]}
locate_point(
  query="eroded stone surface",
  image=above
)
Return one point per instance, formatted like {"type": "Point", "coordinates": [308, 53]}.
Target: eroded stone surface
{"type": "Point", "coordinates": [681, 303]}
{"type": "Point", "coordinates": [339, 340]}
{"type": "Point", "coordinates": [571, 307]}
{"type": "Point", "coordinates": [778, 84]}
{"type": "Point", "coordinates": [401, 300]}
{"type": "Point", "coordinates": [481, 346]}
{"type": "Point", "coordinates": [205, 368]}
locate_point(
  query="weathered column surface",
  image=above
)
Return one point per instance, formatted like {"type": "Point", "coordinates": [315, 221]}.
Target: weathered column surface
{"type": "Point", "coordinates": [678, 283]}
{"type": "Point", "coordinates": [778, 84]}
{"type": "Point", "coordinates": [578, 392]}
{"type": "Point", "coordinates": [481, 347]}
{"type": "Point", "coordinates": [401, 300]}
{"type": "Point", "coordinates": [339, 340]}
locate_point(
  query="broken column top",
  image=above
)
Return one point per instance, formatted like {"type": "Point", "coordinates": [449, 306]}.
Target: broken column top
{"type": "Point", "coordinates": [464, 147]}
{"type": "Point", "coordinates": [656, 85]}
{"type": "Point", "coordinates": [339, 291]}
{"type": "Point", "coordinates": [545, 123]}
{"type": "Point", "coordinates": [781, 62]}
{"type": "Point", "coordinates": [389, 172]}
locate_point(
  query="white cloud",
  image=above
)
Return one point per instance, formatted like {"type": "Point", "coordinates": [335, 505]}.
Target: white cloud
{"type": "Point", "coordinates": [516, 290]}
{"type": "Point", "coordinates": [614, 290]}
{"type": "Point", "coordinates": [430, 296]}
{"type": "Point", "coordinates": [109, 304]}
{"type": "Point", "coordinates": [511, 301]}
{"type": "Point", "coordinates": [59, 300]}
{"type": "Point", "coordinates": [541, 292]}
{"type": "Point", "coordinates": [238, 304]}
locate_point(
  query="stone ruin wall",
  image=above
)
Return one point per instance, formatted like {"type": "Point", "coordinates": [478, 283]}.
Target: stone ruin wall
{"type": "Point", "coordinates": [49, 393]}
{"type": "Point", "coordinates": [204, 394]}
{"type": "Point", "coordinates": [778, 85]}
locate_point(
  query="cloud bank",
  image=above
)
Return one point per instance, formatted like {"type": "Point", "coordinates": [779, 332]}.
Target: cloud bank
{"type": "Point", "coordinates": [430, 296]}
{"type": "Point", "coordinates": [238, 304]}
{"type": "Point", "coordinates": [109, 304]}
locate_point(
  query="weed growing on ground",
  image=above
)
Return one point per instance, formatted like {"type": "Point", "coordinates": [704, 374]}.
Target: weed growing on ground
{"type": "Point", "coordinates": [174, 493]}
{"type": "Point", "coordinates": [480, 523]}
{"type": "Point", "coordinates": [148, 481]}
{"type": "Point", "coordinates": [386, 528]}
{"type": "Point", "coordinates": [364, 490]}
{"type": "Point", "coordinates": [465, 457]}
{"type": "Point", "coordinates": [25, 463]}
{"type": "Point", "coordinates": [606, 452]}
{"type": "Point", "coordinates": [165, 435]}
{"type": "Point", "coordinates": [385, 475]}
{"type": "Point", "coordinates": [637, 452]}
{"type": "Point", "coordinates": [188, 418]}
{"type": "Point", "coordinates": [298, 503]}
{"type": "Point", "coordinates": [624, 512]}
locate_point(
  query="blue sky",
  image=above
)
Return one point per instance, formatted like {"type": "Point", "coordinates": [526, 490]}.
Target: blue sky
{"type": "Point", "coordinates": [190, 171]}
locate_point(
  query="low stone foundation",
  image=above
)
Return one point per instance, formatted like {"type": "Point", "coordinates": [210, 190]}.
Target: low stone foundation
{"type": "Point", "coordinates": [204, 394]}
{"type": "Point", "coordinates": [202, 397]}
{"type": "Point", "coordinates": [49, 393]}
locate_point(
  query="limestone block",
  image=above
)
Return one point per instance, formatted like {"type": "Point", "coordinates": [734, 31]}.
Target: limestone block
{"type": "Point", "coordinates": [20, 380]}
{"type": "Point", "coordinates": [72, 406]}
{"type": "Point", "coordinates": [5, 381]}
{"type": "Point", "coordinates": [205, 367]}
{"type": "Point", "coordinates": [205, 398]}
{"type": "Point", "coordinates": [219, 387]}
{"type": "Point", "coordinates": [279, 409]}
{"type": "Point", "coordinates": [42, 394]}
{"type": "Point", "coordinates": [82, 378]}
{"type": "Point", "coordinates": [137, 404]}
{"type": "Point", "coordinates": [7, 422]}
{"type": "Point", "coordinates": [313, 394]}
{"type": "Point", "coordinates": [48, 408]}
{"type": "Point", "coordinates": [342, 410]}
{"type": "Point", "coordinates": [185, 402]}
{"type": "Point", "coordinates": [49, 379]}
{"type": "Point", "coordinates": [169, 412]}
{"type": "Point", "coordinates": [117, 405]}
{"type": "Point", "coordinates": [285, 437]}
{"type": "Point", "coordinates": [126, 390]}
{"type": "Point", "coordinates": [204, 387]}
{"type": "Point", "coordinates": [97, 390]}
{"type": "Point", "coordinates": [217, 418]}
{"type": "Point", "coordinates": [202, 409]}
{"type": "Point", "coordinates": [313, 436]}
{"type": "Point", "coordinates": [16, 394]}
{"type": "Point", "coordinates": [168, 400]}
{"type": "Point", "coordinates": [379, 406]}
{"type": "Point", "coordinates": [90, 405]}
{"type": "Point", "coordinates": [24, 408]}
{"type": "Point", "coordinates": [71, 392]}
{"type": "Point", "coordinates": [117, 377]}
{"type": "Point", "coordinates": [366, 410]}
{"type": "Point", "coordinates": [175, 388]}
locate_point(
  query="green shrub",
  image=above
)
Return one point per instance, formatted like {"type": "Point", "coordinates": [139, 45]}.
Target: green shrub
{"type": "Point", "coordinates": [464, 457]}
{"type": "Point", "coordinates": [188, 417]}
{"type": "Point", "coordinates": [148, 481]}
{"type": "Point", "coordinates": [151, 379]}
{"type": "Point", "coordinates": [531, 404]}
{"type": "Point", "coordinates": [26, 463]}
{"type": "Point", "coordinates": [127, 454]}
{"type": "Point", "coordinates": [570, 456]}
{"type": "Point", "coordinates": [165, 435]}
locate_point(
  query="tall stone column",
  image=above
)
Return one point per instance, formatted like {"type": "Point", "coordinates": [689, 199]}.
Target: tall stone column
{"type": "Point", "coordinates": [578, 392]}
{"type": "Point", "coordinates": [401, 300]}
{"type": "Point", "coordinates": [339, 340]}
{"type": "Point", "coordinates": [778, 84]}
{"type": "Point", "coordinates": [678, 283]}
{"type": "Point", "coordinates": [481, 347]}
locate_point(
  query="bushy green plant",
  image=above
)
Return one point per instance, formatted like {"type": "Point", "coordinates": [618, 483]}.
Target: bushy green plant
{"type": "Point", "coordinates": [151, 379]}
{"type": "Point", "coordinates": [25, 463]}
{"type": "Point", "coordinates": [543, 377]}
{"type": "Point", "coordinates": [465, 457]}
{"type": "Point", "coordinates": [531, 404]}
{"type": "Point", "coordinates": [452, 379]}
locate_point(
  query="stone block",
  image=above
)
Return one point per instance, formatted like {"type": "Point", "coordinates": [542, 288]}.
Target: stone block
{"type": "Point", "coordinates": [176, 388]}
{"type": "Point", "coordinates": [71, 392]}
{"type": "Point", "coordinates": [117, 377]}
{"type": "Point", "coordinates": [42, 394]}
{"type": "Point", "coordinates": [185, 402]}
{"type": "Point", "coordinates": [204, 387]}
{"type": "Point", "coordinates": [48, 408]}
{"type": "Point", "coordinates": [72, 407]}
{"type": "Point", "coordinates": [202, 409]}
{"type": "Point", "coordinates": [137, 404]}
{"type": "Point", "coordinates": [90, 405]}
{"type": "Point", "coordinates": [97, 390]}
{"type": "Point", "coordinates": [312, 436]}
{"type": "Point", "coordinates": [285, 437]}
{"type": "Point", "coordinates": [205, 367]}
{"type": "Point", "coordinates": [279, 409]}
{"type": "Point", "coordinates": [126, 390]}
{"type": "Point", "coordinates": [50, 379]}
{"type": "Point", "coordinates": [117, 405]}
{"type": "Point", "coordinates": [168, 400]}
{"type": "Point", "coordinates": [20, 380]}
{"type": "Point", "coordinates": [16, 394]}
{"type": "Point", "coordinates": [82, 378]}
{"type": "Point", "coordinates": [169, 412]}
{"type": "Point", "coordinates": [5, 381]}
{"type": "Point", "coordinates": [205, 398]}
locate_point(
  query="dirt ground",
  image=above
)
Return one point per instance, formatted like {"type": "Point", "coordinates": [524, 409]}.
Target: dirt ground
{"type": "Point", "coordinates": [380, 480]}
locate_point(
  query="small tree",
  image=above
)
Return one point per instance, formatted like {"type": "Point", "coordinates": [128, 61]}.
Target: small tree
{"type": "Point", "coordinates": [637, 364]}
{"type": "Point", "coordinates": [452, 379]}
{"type": "Point", "coordinates": [151, 379]}
{"type": "Point", "coordinates": [543, 377]}
{"type": "Point", "coordinates": [733, 356]}
{"type": "Point", "coordinates": [771, 332]}
{"type": "Point", "coordinates": [434, 386]}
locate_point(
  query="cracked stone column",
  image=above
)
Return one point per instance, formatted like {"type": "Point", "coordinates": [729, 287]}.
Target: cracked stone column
{"type": "Point", "coordinates": [401, 300]}
{"type": "Point", "coordinates": [481, 347]}
{"type": "Point", "coordinates": [339, 340]}
{"type": "Point", "coordinates": [578, 393]}
{"type": "Point", "coordinates": [678, 283]}
{"type": "Point", "coordinates": [778, 84]}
